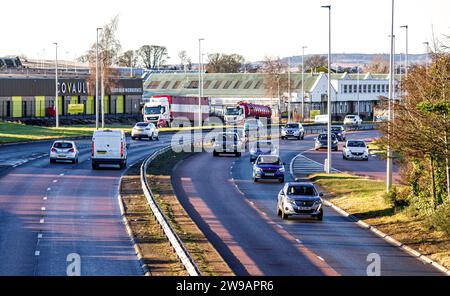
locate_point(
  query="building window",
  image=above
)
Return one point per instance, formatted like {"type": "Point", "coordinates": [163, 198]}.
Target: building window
{"type": "Point", "coordinates": [360, 88]}
{"type": "Point", "coordinates": [217, 84]}
{"type": "Point", "coordinates": [350, 89]}
{"type": "Point", "coordinates": [387, 87]}
{"type": "Point", "coordinates": [227, 84]}
{"type": "Point", "coordinates": [154, 84]}
{"type": "Point", "coordinates": [237, 84]}
{"type": "Point", "coordinates": [345, 88]}
{"type": "Point", "coordinates": [369, 88]}
{"type": "Point", "coordinates": [355, 88]}
{"type": "Point", "coordinates": [378, 88]}
{"type": "Point", "coordinates": [258, 84]}
{"type": "Point", "coordinates": [166, 84]}
{"type": "Point", "coordinates": [248, 84]}
{"type": "Point", "coordinates": [176, 84]}
{"type": "Point", "coordinates": [207, 83]}
{"type": "Point", "coordinates": [193, 84]}
{"type": "Point", "coordinates": [364, 88]}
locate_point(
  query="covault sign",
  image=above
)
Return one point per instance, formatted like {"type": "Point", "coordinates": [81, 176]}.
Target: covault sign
{"type": "Point", "coordinates": [74, 87]}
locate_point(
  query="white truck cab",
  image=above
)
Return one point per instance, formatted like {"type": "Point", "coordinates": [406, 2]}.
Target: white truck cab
{"type": "Point", "coordinates": [157, 111]}
{"type": "Point", "coordinates": [109, 147]}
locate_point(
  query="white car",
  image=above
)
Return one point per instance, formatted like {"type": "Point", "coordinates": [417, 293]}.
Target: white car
{"type": "Point", "coordinates": [293, 130]}
{"type": "Point", "coordinates": [145, 130]}
{"type": "Point", "coordinates": [64, 150]}
{"type": "Point", "coordinates": [109, 147]}
{"type": "Point", "coordinates": [355, 149]}
{"type": "Point", "coordinates": [352, 120]}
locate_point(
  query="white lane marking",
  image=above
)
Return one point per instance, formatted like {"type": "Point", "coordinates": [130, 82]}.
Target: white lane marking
{"type": "Point", "coordinates": [43, 209]}
{"type": "Point", "coordinates": [39, 235]}
{"type": "Point", "coordinates": [44, 198]}
{"type": "Point", "coordinates": [279, 226]}
{"type": "Point", "coordinates": [37, 253]}
{"type": "Point", "coordinates": [61, 174]}
{"type": "Point", "coordinates": [264, 213]}
{"type": "Point", "coordinates": [321, 258]}
{"type": "Point", "coordinates": [299, 241]}
{"type": "Point", "coordinates": [54, 181]}
{"type": "Point", "coordinates": [42, 221]}
{"type": "Point", "coordinates": [48, 189]}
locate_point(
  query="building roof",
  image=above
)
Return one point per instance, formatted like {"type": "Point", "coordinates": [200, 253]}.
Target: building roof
{"type": "Point", "coordinates": [251, 85]}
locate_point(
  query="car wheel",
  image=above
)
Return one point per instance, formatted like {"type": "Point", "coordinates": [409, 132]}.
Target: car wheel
{"type": "Point", "coordinates": [303, 137]}
{"type": "Point", "coordinates": [215, 154]}
{"type": "Point", "coordinates": [299, 138]}
{"type": "Point", "coordinates": [255, 180]}
{"type": "Point", "coordinates": [94, 166]}
{"type": "Point", "coordinates": [284, 216]}
{"type": "Point", "coordinates": [133, 138]}
{"type": "Point", "coordinates": [343, 157]}
{"type": "Point", "coordinates": [281, 180]}
{"type": "Point", "coordinates": [238, 154]}
{"type": "Point", "coordinates": [278, 210]}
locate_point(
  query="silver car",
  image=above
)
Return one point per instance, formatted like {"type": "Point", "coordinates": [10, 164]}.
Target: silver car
{"type": "Point", "coordinates": [64, 150]}
{"type": "Point", "coordinates": [293, 130]}
{"type": "Point", "coordinates": [300, 198]}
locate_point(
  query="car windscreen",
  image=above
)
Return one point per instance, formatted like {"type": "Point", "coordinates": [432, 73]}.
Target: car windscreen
{"type": "Point", "coordinates": [233, 111]}
{"type": "Point", "coordinates": [350, 116]}
{"type": "Point", "coordinates": [142, 124]}
{"type": "Point", "coordinates": [356, 144]}
{"type": "Point", "coordinates": [336, 129]}
{"type": "Point", "coordinates": [263, 145]}
{"type": "Point", "coordinates": [60, 145]}
{"type": "Point", "coordinates": [301, 190]}
{"type": "Point", "coordinates": [274, 160]}
{"type": "Point", "coordinates": [152, 110]}
{"type": "Point", "coordinates": [324, 137]}
{"type": "Point", "coordinates": [292, 125]}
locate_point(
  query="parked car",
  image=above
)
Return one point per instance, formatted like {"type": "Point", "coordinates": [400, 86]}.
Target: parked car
{"type": "Point", "coordinates": [322, 142]}
{"type": "Point", "coordinates": [64, 150]}
{"type": "Point", "coordinates": [268, 167]}
{"type": "Point", "coordinates": [145, 130]}
{"type": "Point", "coordinates": [262, 147]}
{"type": "Point", "coordinates": [109, 147]}
{"type": "Point", "coordinates": [293, 130]}
{"type": "Point", "coordinates": [355, 149]}
{"type": "Point", "coordinates": [339, 131]}
{"type": "Point", "coordinates": [300, 198]}
{"type": "Point", "coordinates": [352, 120]}
{"type": "Point", "coordinates": [227, 143]}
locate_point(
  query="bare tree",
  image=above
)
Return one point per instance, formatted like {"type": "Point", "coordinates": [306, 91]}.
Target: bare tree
{"type": "Point", "coordinates": [224, 63]}
{"type": "Point", "coordinates": [153, 56]}
{"type": "Point", "coordinates": [185, 61]}
{"type": "Point", "coordinates": [276, 78]}
{"type": "Point", "coordinates": [315, 62]}
{"type": "Point", "coordinates": [128, 59]}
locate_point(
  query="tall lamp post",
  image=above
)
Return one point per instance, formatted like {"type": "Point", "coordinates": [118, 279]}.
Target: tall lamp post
{"type": "Point", "coordinates": [96, 81]}
{"type": "Point", "coordinates": [328, 162]}
{"type": "Point", "coordinates": [289, 89]}
{"type": "Point", "coordinates": [303, 82]}
{"type": "Point", "coordinates": [200, 81]}
{"type": "Point", "coordinates": [56, 86]}
{"type": "Point", "coordinates": [358, 89]}
{"type": "Point", "coordinates": [391, 84]}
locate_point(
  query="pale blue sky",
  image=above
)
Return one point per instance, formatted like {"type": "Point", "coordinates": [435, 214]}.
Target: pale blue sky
{"type": "Point", "coordinates": [251, 28]}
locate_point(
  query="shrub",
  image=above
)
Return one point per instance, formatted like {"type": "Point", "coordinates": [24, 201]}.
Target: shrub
{"type": "Point", "coordinates": [440, 220]}
{"type": "Point", "coordinates": [397, 198]}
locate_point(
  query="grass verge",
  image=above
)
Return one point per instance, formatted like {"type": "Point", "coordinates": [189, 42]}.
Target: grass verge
{"type": "Point", "coordinates": [16, 132]}
{"type": "Point", "coordinates": [204, 254]}
{"type": "Point", "coordinates": [364, 199]}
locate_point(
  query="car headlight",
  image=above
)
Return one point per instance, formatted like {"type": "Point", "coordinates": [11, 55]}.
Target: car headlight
{"type": "Point", "coordinates": [290, 201]}
{"type": "Point", "coordinates": [318, 202]}
{"type": "Point", "coordinates": [258, 170]}
{"type": "Point", "coordinates": [282, 170]}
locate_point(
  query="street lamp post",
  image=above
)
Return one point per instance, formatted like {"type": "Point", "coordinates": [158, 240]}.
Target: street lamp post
{"type": "Point", "coordinates": [56, 86]}
{"type": "Point", "coordinates": [328, 162]}
{"type": "Point", "coordinates": [200, 81]}
{"type": "Point", "coordinates": [357, 88]}
{"type": "Point", "coordinates": [391, 84]}
{"type": "Point", "coordinates": [303, 82]}
{"type": "Point", "coordinates": [96, 81]}
{"type": "Point", "coordinates": [427, 48]}
{"type": "Point", "coordinates": [289, 89]}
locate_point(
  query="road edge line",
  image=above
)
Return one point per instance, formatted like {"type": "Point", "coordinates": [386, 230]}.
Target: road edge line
{"type": "Point", "coordinates": [136, 247]}
{"type": "Point", "coordinates": [414, 253]}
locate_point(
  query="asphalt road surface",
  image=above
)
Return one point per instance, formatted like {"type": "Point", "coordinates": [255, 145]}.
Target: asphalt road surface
{"type": "Point", "coordinates": [239, 218]}
{"type": "Point", "coordinates": [48, 211]}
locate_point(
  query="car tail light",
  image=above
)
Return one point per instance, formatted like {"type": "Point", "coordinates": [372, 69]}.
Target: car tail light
{"type": "Point", "coordinates": [71, 150]}
{"type": "Point", "coordinates": [121, 150]}
{"type": "Point", "coordinates": [93, 148]}
{"type": "Point", "coordinates": [53, 150]}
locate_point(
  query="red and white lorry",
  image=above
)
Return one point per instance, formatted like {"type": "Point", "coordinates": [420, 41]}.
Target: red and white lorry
{"type": "Point", "coordinates": [238, 114]}
{"type": "Point", "coordinates": [163, 110]}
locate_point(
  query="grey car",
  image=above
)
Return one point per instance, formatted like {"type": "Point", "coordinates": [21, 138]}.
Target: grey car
{"type": "Point", "coordinates": [293, 130]}
{"type": "Point", "coordinates": [300, 199]}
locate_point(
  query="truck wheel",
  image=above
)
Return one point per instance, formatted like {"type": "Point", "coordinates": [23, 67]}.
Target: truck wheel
{"type": "Point", "coordinates": [94, 166]}
{"type": "Point", "coordinates": [238, 154]}
{"type": "Point", "coordinates": [133, 138]}
{"type": "Point", "coordinates": [215, 154]}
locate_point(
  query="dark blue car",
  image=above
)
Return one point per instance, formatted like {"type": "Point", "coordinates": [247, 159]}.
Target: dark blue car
{"type": "Point", "coordinates": [268, 167]}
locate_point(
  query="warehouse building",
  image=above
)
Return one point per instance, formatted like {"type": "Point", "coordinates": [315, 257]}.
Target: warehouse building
{"type": "Point", "coordinates": [348, 91]}
{"type": "Point", "coordinates": [34, 97]}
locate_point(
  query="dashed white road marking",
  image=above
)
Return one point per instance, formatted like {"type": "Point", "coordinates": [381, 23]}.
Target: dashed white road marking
{"type": "Point", "coordinates": [320, 258]}
{"type": "Point", "coordinates": [61, 174]}
{"type": "Point", "coordinates": [37, 253]}
{"type": "Point", "coordinates": [299, 241]}
{"type": "Point", "coordinates": [43, 209]}
{"type": "Point", "coordinates": [48, 189]}
{"type": "Point", "coordinates": [279, 226]}
{"type": "Point", "coordinates": [44, 198]}
{"type": "Point", "coordinates": [39, 235]}
{"type": "Point", "coordinates": [54, 181]}
{"type": "Point", "coordinates": [264, 213]}
{"type": "Point", "coordinates": [42, 221]}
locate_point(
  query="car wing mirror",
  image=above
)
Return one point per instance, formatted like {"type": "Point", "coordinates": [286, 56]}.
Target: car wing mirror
{"type": "Point", "coordinates": [321, 194]}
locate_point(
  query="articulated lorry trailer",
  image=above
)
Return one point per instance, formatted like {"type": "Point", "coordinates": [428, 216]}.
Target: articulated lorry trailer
{"type": "Point", "coordinates": [165, 110]}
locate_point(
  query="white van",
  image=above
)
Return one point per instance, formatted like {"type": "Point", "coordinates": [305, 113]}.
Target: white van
{"type": "Point", "coordinates": [109, 147]}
